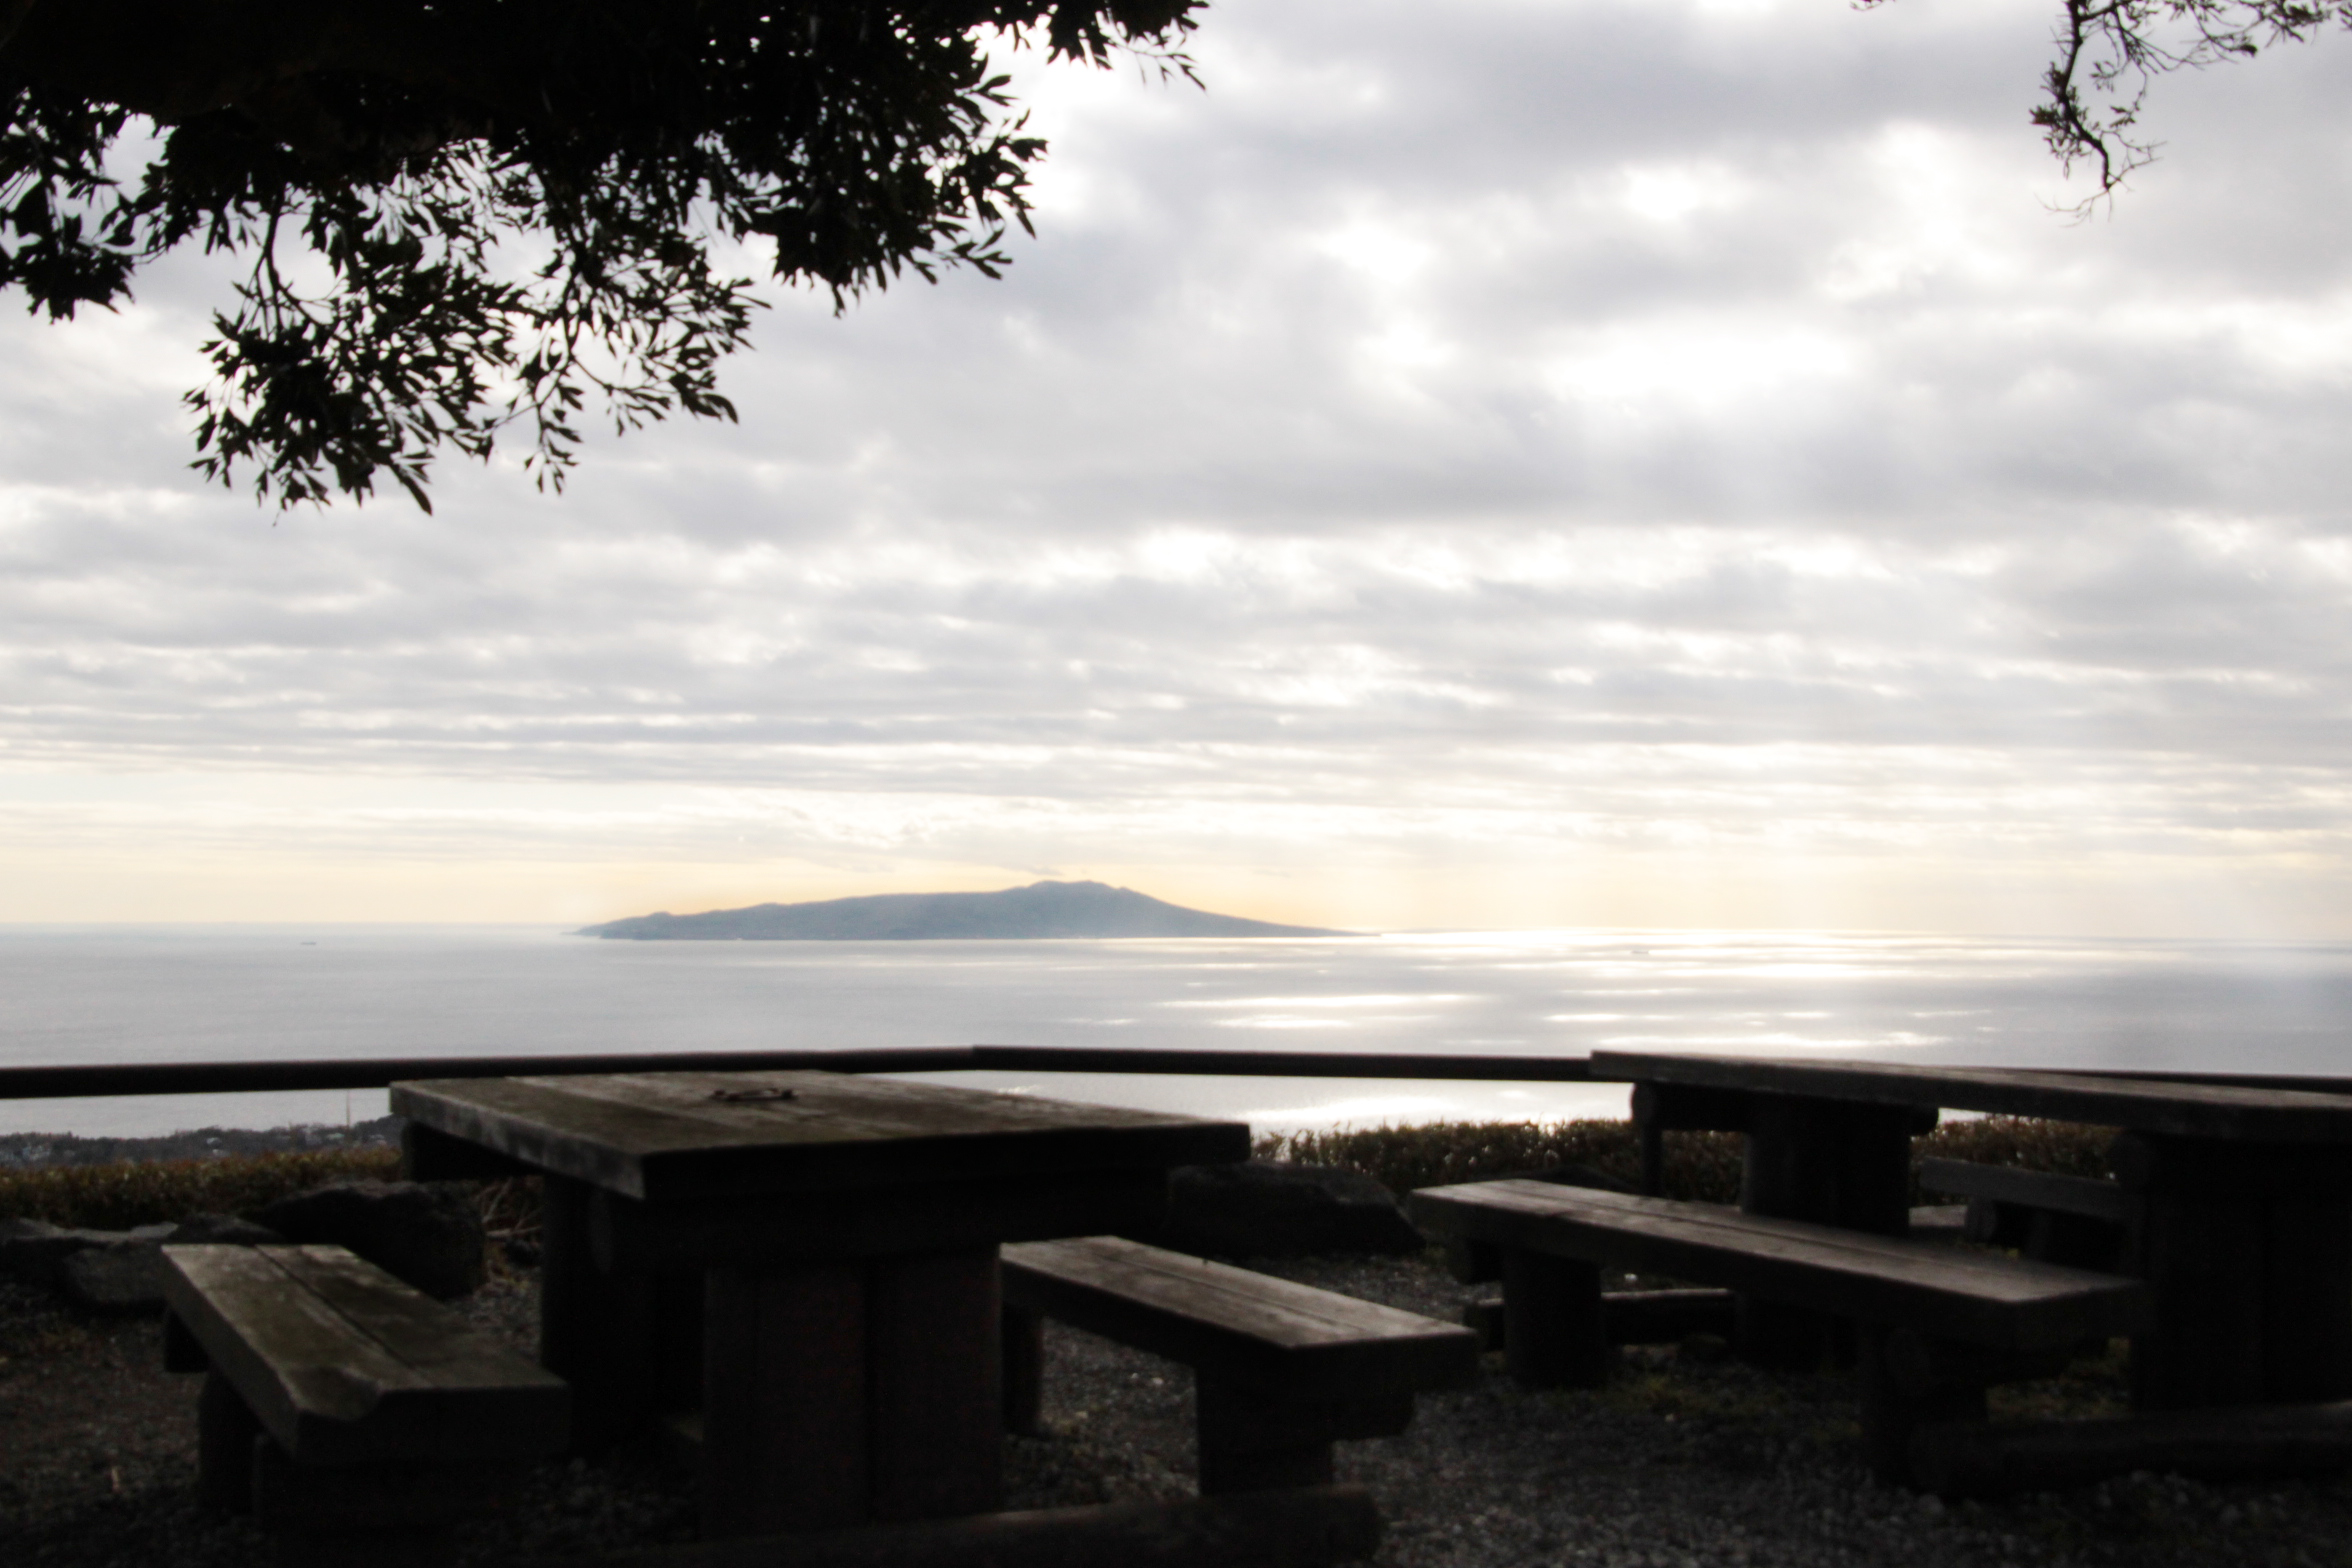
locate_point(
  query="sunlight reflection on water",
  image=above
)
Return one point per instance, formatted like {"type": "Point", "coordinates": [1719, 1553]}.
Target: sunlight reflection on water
{"type": "Point", "coordinates": [236, 993]}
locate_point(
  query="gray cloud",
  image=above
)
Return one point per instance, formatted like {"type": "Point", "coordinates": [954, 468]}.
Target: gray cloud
{"type": "Point", "coordinates": [1456, 430]}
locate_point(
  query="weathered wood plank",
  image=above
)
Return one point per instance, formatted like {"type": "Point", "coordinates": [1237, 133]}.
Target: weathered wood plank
{"type": "Point", "coordinates": [2200, 1110]}
{"type": "Point", "coordinates": [1233, 1323]}
{"type": "Point", "coordinates": [2083, 1195]}
{"type": "Point", "coordinates": [663, 1136]}
{"type": "Point", "coordinates": [342, 1363]}
{"type": "Point", "coordinates": [2249, 1441]}
{"type": "Point", "coordinates": [1988, 1300]}
{"type": "Point", "coordinates": [1285, 1529]}
{"type": "Point", "coordinates": [299, 1366]}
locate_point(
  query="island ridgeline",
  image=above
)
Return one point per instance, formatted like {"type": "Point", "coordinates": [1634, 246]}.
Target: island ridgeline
{"type": "Point", "coordinates": [1040, 910]}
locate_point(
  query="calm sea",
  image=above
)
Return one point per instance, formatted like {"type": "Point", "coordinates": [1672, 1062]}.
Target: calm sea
{"type": "Point", "coordinates": [193, 993]}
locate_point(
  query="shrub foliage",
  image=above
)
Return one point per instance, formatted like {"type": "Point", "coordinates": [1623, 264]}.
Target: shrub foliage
{"type": "Point", "coordinates": [116, 1197]}
{"type": "Point", "coordinates": [1704, 1166]}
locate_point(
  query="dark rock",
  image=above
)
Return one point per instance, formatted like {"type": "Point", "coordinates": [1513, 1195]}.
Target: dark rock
{"type": "Point", "coordinates": [222, 1230]}
{"type": "Point", "coordinates": [112, 1271]}
{"type": "Point", "coordinates": [34, 1250]}
{"type": "Point", "coordinates": [427, 1235]}
{"type": "Point", "coordinates": [1276, 1209]}
{"type": "Point", "coordinates": [113, 1281]}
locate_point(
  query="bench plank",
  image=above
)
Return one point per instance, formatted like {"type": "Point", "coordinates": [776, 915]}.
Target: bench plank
{"type": "Point", "coordinates": [2083, 1195]}
{"type": "Point", "coordinates": [2197, 1110]}
{"type": "Point", "coordinates": [343, 1364]}
{"type": "Point", "coordinates": [1231, 1323]}
{"type": "Point", "coordinates": [2001, 1302]}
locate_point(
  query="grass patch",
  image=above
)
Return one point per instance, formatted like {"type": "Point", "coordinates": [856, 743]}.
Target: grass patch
{"type": "Point", "coordinates": [1702, 1166]}
{"type": "Point", "coordinates": [117, 1197]}
{"type": "Point", "coordinates": [1699, 1165]}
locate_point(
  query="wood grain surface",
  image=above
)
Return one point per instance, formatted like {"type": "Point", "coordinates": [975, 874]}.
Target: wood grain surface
{"type": "Point", "coordinates": [1233, 1323]}
{"type": "Point", "coordinates": [341, 1363]}
{"type": "Point", "coordinates": [664, 1136]}
{"type": "Point", "coordinates": [1984, 1299]}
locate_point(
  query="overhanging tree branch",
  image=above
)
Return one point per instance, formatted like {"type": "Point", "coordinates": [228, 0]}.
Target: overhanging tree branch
{"type": "Point", "coordinates": [2110, 52]}
{"type": "Point", "coordinates": [387, 166]}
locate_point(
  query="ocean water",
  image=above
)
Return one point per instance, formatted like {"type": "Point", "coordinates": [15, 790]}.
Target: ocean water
{"type": "Point", "coordinates": [197, 993]}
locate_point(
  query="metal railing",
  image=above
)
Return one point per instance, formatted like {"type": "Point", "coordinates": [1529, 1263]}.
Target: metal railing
{"type": "Point", "coordinates": [65, 1082]}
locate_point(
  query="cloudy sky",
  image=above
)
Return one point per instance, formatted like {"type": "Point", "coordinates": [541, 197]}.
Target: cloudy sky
{"type": "Point", "coordinates": [1479, 463]}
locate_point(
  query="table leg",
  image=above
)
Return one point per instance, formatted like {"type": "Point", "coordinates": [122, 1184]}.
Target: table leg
{"type": "Point", "coordinates": [596, 1330]}
{"type": "Point", "coordinates": [937, 1408]}
{"type": "Point", "coordinates": [784, 1420]}
{"type": "Point", "coordinates": [845, 1392]}
{"type": "Point", "coordinates": [2247, 1251]}
{"type": "Point", "coordinates": [1830, 1162]}
{"type": "Point", "coordinates": [2307, 1298]}
{"type": "Point", "coordinates": [1553, 1334]}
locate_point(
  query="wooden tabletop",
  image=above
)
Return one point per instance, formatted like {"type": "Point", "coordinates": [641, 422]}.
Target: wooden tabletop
{"type": "Point", "coordinates": [2195, 1110]}
{"type": "Point", "coordinates": [676, 1135]}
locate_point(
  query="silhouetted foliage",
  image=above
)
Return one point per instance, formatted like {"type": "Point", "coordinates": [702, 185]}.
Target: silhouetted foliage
{"type": "Point", "coordinates": [2109, 53]}
{"type": "Point", "coordinates": [458, 215]}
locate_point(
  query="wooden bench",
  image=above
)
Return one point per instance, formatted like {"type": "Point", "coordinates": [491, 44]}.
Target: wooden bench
{"type": "Point", "coordinates": [2048, 1217]}
{"type": "Point", "coordinates": [1938, 1324]}
{"type": "Point", "coordinates": [353, 1416]}
{"type": "Point", "coordinates": [1281, 1370]}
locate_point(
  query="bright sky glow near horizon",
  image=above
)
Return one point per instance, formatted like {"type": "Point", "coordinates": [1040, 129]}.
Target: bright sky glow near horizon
{"type": "Point", "coordinates": [1508, 463]}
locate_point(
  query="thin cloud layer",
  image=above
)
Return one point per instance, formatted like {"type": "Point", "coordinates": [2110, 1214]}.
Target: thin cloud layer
{"type": "Point", "coordinates": [1506, 462]}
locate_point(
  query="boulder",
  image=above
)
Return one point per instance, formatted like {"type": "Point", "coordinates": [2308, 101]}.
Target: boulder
{"type": "Point", "coordinates": [1277, 1209]}
{"type": "Point", "coordinates": [113, 1281]}
{"type": "Point", "coordinates": [115, 1272]}
{"type": "Point", "coordinates": [35, 1250]}
{"type": "Point", "coordinates": [425, 1234]}
{"type": "Point", "coordinates": [222, 1230]}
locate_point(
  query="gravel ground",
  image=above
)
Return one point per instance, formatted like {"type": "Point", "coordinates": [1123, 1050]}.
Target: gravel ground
{"type": "Point", "coordinates": [1684, 1460]}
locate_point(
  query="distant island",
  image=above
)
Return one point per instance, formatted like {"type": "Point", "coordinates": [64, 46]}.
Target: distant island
{"type": "Point", "coordinates": [1040, 910]}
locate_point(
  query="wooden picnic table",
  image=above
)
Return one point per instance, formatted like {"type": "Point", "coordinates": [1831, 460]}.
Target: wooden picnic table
{"type": "Point", "coordinates": [811, 1256]}
{"type": "Point", "coordinates": [2238, 1200]}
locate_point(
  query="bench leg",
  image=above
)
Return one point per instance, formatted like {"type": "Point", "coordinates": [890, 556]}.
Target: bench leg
{"type": "Point", "coordinates": [225, 1434]}
{"type": "Point", "coordinates": [1901, 1394]}
{"type": "Point", "coordinates": [1553, 1332]}
{"type": "Point", "coordinates": [1253, 1441]}
{"type": "Point", "coordinates": [1024, 1371]}
{"type": "Point", "coordinates": [1250, 1444]}
{"type": "Point", "coordinates": [597, 1330]}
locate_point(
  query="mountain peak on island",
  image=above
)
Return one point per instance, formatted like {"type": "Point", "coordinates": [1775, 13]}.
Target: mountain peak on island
{"type": "Point", "coordinates": [1040, 910]}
